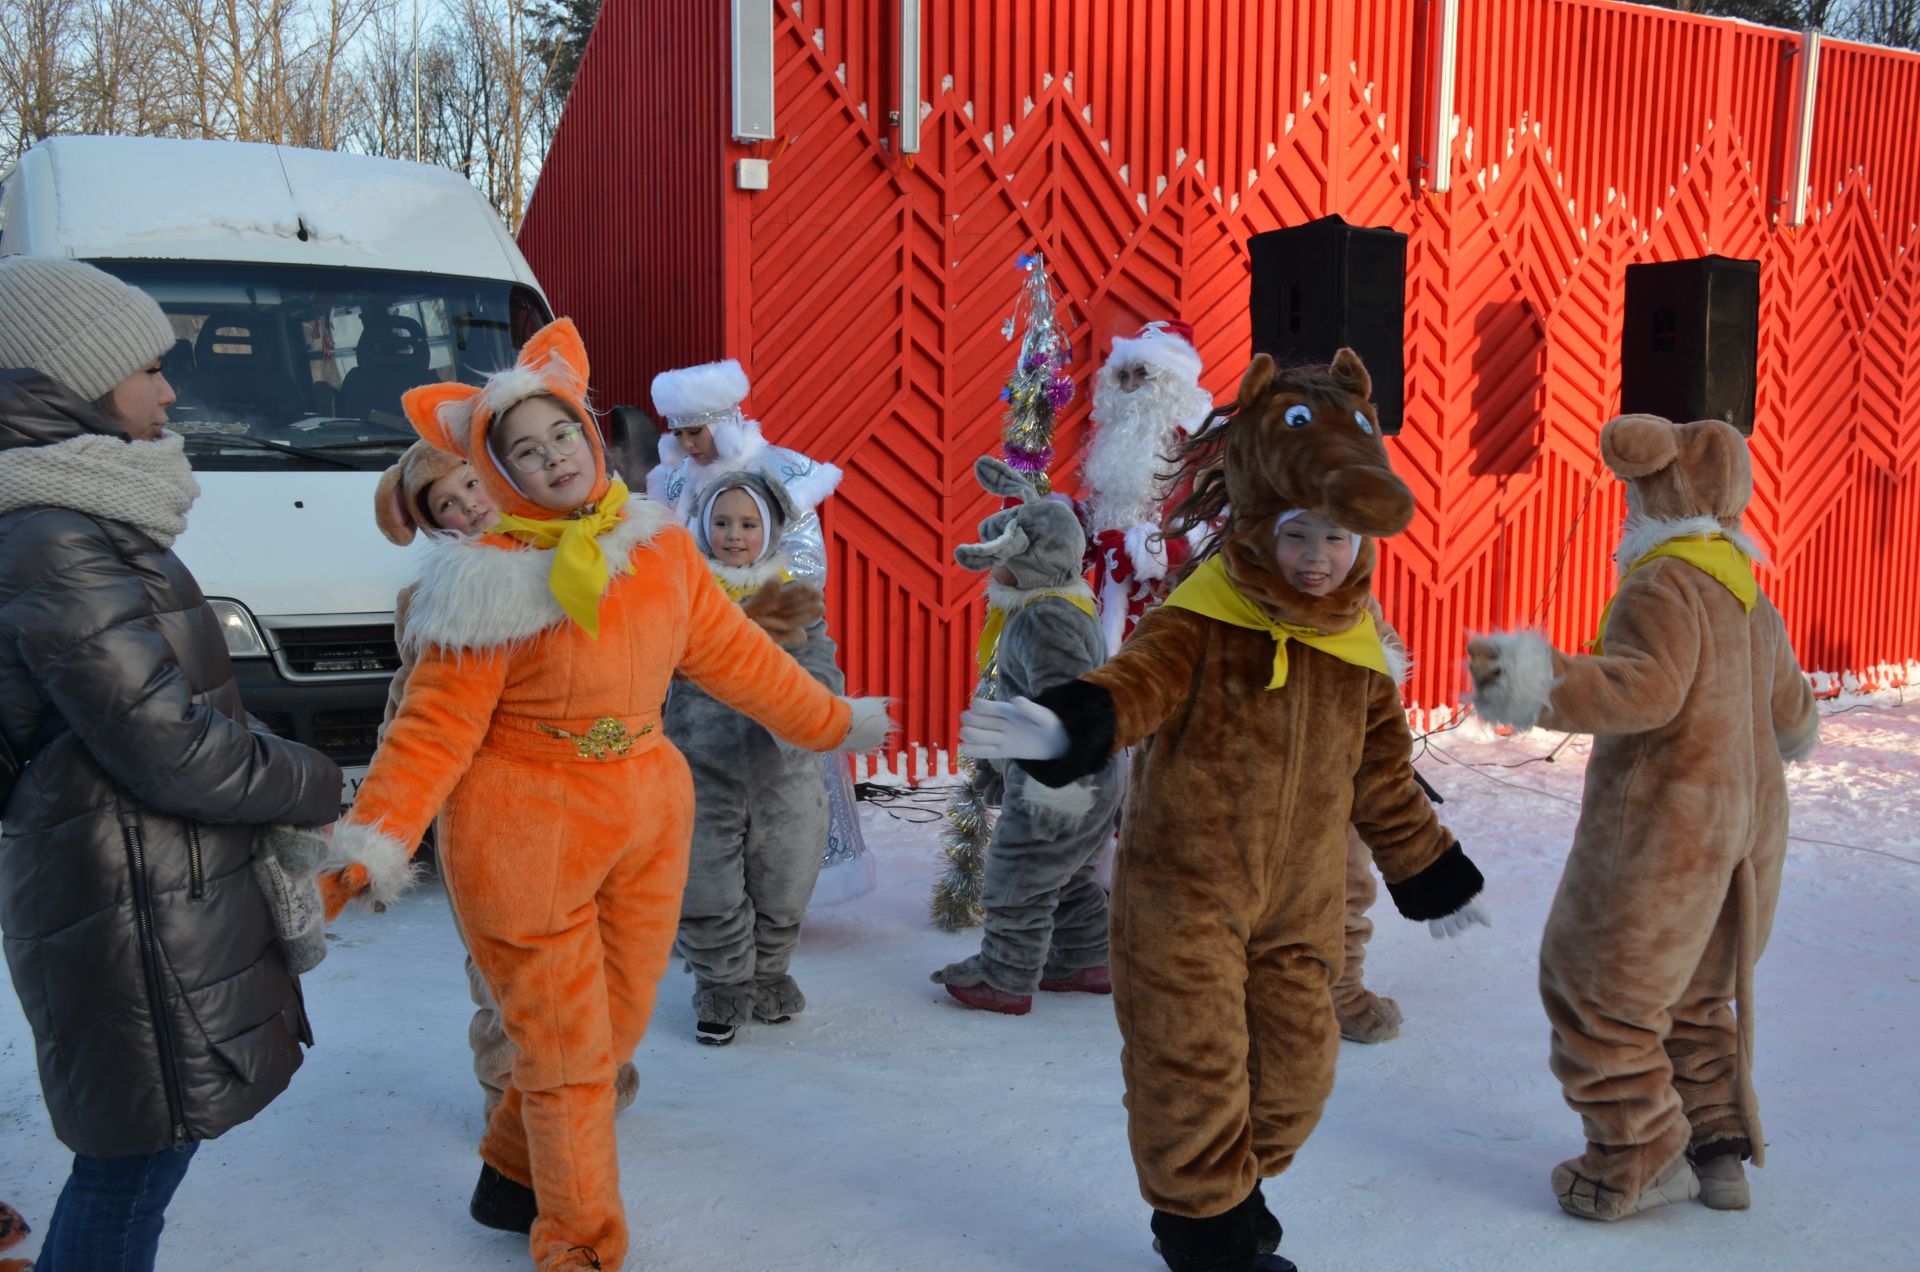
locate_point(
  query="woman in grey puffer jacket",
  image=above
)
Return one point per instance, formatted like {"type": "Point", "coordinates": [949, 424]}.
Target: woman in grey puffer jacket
{"type": "Point", "coordinates": [141, 946]}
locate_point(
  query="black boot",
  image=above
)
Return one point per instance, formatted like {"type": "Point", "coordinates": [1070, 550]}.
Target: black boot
{"type": "Point", "coordinates": [1266, 1228]}
{"type": "Point", "coordinates": [499, 1202]}
{"type": "Point", "coordinates": [1218, 1243]}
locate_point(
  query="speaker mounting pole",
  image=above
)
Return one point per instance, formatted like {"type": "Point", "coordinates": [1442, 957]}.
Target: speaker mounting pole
{"type": "Point", "coordinates": [1443, 50]}
{"type": "Point", "coordinates": [1803, 107]}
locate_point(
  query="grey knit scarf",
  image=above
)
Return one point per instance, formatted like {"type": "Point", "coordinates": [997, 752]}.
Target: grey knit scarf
{"type": "Point", "coordinates": [148, 485]}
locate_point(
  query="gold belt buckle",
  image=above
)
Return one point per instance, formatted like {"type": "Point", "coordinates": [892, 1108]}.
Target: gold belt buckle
{"type": "Point", "coordinates": [608, 736]}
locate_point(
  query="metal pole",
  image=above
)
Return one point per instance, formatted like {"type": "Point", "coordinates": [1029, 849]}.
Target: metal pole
{"type": "Point", "coordinates": [1440, 176]}
{"type": "Point", "coordinates": [1803, 125]}
{"type": "Point", "coordinates": [909, 77]}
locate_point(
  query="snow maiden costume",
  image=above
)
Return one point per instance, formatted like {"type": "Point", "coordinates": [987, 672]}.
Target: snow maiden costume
{"type": "Point", "coordinates": [531, 726]}
{"type": "Point", "coordinates": [1046, 913]}
{"type": "Point", "coordinates": [709, 396]}
{"type": "Point", "coordinates": [1265, 721]}
{"type": "Point", "coordinates": [760, 811]}
{"type": "Point", "coordinates": [1695, 701]}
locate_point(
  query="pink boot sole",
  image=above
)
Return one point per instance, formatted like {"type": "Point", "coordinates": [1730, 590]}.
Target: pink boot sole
{"type": "Point", "coordinates": [987, 998]}
{"type": "Point", "coordinates": [1088, 980]}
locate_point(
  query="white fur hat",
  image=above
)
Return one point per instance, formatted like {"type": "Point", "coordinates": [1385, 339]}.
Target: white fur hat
{"type": "Point", "coordinates": [1166, 345]}
{"type": "Point", "coordinates": [691, 391]}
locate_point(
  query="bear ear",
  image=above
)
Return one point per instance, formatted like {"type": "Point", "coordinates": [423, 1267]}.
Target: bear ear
{"type": "Point", "coordinates": [442, 414]}
{"type": "Point", "coordinates": [1351, 374]}
{"type": "Point", "coordinates": [558, 339]}
{"type": "Point", "coordinates": [1253, 384]}
{"type": "Point", "coordinates": [1635, 445]}
{"type": "Point", "coordinates": [390, 510]}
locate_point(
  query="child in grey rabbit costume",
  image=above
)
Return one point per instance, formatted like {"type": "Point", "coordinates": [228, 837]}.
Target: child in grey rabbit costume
{"type": "Point", "coordinates": [1046, 925]}
{"type": "Point", "coordinates": [760, 809]}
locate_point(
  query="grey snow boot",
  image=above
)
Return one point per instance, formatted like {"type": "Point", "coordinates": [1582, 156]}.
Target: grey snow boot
{"type": "Point", "coordinates": [1723, 1183]}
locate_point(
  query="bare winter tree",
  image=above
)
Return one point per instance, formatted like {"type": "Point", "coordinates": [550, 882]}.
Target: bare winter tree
{"type": "Point", "coordinates": [1894, 22]}
{"type": "Point", "coordinates": [36, 51]}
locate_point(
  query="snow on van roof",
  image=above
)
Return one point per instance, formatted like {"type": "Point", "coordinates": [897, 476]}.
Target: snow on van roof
{"type": "Point", "coordinates": [165, 198]}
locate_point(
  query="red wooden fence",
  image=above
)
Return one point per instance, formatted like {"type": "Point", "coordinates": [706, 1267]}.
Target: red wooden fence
{"type": "Point", "coordinates": [1138, 143]}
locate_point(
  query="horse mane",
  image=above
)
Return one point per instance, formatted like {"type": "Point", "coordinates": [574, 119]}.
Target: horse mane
{"type": "Point", "coordinates": [1199, 460]}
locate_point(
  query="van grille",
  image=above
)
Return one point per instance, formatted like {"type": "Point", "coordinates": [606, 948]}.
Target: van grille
{"type": "Point", "coordinates": [349, 737]}
{"type": "Point", "coordinates": [338, 651]}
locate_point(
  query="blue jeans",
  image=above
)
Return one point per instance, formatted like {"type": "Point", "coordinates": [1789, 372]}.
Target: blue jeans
{"type": "Point", "coordinates": [109, 1215]}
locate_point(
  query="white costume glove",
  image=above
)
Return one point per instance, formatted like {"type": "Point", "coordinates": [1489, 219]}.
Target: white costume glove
{"type": "Point", "coordinates": [1460, 920]}
{"type": "Point", "coordinates": [1017, 730]}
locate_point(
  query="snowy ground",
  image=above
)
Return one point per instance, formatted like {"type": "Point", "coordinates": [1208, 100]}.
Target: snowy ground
{"type": "Point", "coordinates": [888, 1129]}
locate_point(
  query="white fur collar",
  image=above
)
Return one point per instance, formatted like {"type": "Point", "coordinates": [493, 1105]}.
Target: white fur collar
{"type": "Point", "coordinates": [1640, 535]}
{"type": "Point", "coordinates": [1007, 599]}
{"type": "Point", "coordinates": [745, 577]}
{"type": "Point", "coordinates": [473, 595]}
{"type": "Point", "coordinates": [148, 485]}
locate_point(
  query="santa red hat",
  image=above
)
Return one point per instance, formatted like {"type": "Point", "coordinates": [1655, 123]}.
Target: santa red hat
{"type": "Point", "coordinates": [1166, 344]}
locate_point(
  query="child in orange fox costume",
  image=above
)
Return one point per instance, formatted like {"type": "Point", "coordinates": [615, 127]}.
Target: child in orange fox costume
{"type": "Point", "coordinates": [543, 652]}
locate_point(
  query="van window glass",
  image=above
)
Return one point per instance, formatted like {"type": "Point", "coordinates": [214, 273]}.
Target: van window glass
{"type": "Point", "coordinates": [299, 366]}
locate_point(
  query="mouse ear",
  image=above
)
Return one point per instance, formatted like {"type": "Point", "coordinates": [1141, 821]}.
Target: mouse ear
{"type": "Point", "coordinates": [1634, 446]}
{"type": "Point", "coordinates": [390, 511]}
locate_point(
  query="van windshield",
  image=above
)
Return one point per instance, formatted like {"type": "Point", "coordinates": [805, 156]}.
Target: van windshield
{"type": "Point", "coordinates": [287, 366]}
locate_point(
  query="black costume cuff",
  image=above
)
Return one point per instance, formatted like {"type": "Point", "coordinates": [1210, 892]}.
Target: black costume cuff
{"type": "Point", "coordinates": [1443, 887]}
{"type": "Point", "coordinates": [1086, 709]}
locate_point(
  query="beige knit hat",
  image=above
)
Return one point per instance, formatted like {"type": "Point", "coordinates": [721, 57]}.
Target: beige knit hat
{"type": "Point", "coordinates": [77, 324]}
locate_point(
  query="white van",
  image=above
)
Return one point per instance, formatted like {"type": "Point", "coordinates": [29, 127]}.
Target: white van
{"type": "Point", "coordinates": [308, 290]}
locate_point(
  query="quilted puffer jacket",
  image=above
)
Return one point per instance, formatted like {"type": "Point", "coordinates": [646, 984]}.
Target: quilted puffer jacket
{"type": "Point", "coordinates": [142, 949]}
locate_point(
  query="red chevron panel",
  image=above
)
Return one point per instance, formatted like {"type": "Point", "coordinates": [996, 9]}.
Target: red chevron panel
{"type": "Point", "coordinates": [1138, 143]}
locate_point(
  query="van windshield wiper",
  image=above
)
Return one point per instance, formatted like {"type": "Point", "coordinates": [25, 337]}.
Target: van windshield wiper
{"type": "Point", "coordinates": [217, 440]}
{"type": "Point", "coordinates": [364, 442]}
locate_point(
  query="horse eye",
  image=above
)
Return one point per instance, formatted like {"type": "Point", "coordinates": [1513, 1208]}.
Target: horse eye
{"type": "Point", "coordinates": [1299, 415]}
{"type": "Point", "coordinates": [1366, 425]}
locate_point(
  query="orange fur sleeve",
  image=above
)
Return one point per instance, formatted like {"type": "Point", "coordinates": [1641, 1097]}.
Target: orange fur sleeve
{"type": "Point", "coordinates": [730, 657]}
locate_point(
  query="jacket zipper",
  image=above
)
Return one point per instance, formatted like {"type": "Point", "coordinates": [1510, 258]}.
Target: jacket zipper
{"type": "Point", "coordinates": [197, 879]}
{"type": "Point", "coordinates": [156, 999]}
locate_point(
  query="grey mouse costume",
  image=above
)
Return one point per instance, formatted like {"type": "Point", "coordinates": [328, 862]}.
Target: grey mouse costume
{"type": "Point", "coordinates": [760, 811]}
{"type": "Point", "coordinates": [1046, 912]}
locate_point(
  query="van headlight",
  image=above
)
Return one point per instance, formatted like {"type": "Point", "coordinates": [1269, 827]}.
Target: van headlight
{"type": "Point", "coordinates": [242, 633]}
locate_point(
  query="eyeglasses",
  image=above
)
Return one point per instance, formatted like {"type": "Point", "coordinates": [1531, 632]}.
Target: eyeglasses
{"type": "Point", "coordinates": [531, 456]}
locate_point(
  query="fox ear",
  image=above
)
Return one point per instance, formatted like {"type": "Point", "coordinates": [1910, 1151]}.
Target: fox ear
{"type": "Point", "coordinates": [442, 414]}
{"type": "Point", "coordinates": [558, 340]}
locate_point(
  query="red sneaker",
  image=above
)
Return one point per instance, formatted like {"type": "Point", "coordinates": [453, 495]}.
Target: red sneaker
{"type": "Point", "coordinates": [1088, 980]}
{"type": "Point", "coordinates": [985, 997]}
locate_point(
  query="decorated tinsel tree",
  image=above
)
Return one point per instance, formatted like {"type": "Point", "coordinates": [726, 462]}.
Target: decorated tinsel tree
{"type": "Point", "coordinates": [1040, 387]}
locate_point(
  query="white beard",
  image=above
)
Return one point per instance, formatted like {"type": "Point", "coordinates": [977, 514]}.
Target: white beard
{"type": "Point", "coordinates": [1127, 463]}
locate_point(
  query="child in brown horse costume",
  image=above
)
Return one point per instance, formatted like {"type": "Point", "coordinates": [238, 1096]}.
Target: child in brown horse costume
{"type": "Point", "coordinates": [1259, 698]}
{"type": "Point", "coordinates": [1695, 700]}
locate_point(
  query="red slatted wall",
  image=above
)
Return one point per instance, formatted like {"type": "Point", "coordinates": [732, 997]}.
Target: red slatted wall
{"type": "Point", "coordinates": [1138, 143]}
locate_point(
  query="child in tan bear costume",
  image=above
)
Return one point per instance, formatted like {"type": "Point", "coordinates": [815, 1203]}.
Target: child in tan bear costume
{"type": "Point", "coordinates": [1266, 720]}
{"type": "Point", "coordinates": [1695, 700]}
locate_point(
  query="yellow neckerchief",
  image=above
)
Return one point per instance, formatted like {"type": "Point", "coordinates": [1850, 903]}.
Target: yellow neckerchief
{"type": "Point", "coordinates": [738, 592]}
{"type": "Point", "coordinates": [580, 571]}
{"type": "Point", "coordinates": [1716, 554]}
{"type": "Point", "coordinates": [997, 621]}
{"type": "Point", "coordinates": [1209, 591]}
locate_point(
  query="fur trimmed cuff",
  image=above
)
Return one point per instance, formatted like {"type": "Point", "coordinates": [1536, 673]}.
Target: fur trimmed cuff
{"type": "Point", "coordinates": [388, 862]}
{"type": "Point", "coordinates": [1521, 682]}
{"type": "Point", "coordinates": [870, 726]}
{"type": "Point", "coordinates": [1062, 806]}
{"type": "Point", "coordinates": [1086, 711]}
{"type": "Point", "coordinates": [1443, 887]}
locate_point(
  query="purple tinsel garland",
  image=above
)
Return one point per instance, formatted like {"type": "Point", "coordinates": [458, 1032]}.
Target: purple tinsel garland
{"type": "Point", "coordinates": [1029, 461]}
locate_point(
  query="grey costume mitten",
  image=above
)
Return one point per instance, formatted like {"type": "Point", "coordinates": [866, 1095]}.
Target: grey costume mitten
{"type": "Point", "coordinates": [286, 861]}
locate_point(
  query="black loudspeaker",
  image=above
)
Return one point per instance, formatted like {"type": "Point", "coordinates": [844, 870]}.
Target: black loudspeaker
{"type": "Point", "coordinates": [1691, 340]}
{"type": "Point", "coordinates": [1326, 284]}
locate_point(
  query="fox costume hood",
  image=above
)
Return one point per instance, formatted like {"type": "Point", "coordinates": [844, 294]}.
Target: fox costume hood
{"type": "Point", "coordinates": [531, 727]}
{"type": "Point", "coordinates": [1695, 700]}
